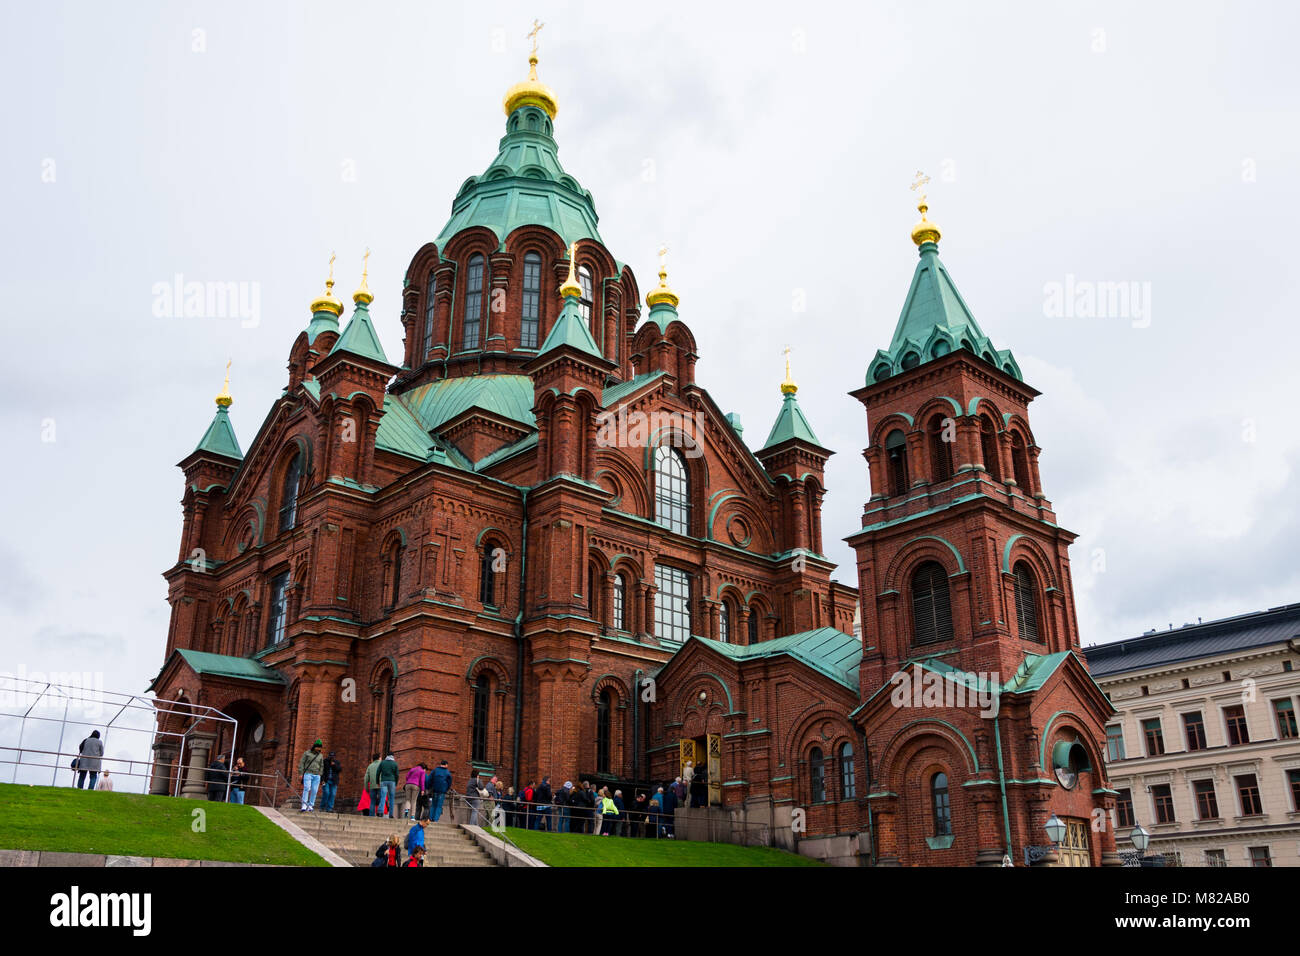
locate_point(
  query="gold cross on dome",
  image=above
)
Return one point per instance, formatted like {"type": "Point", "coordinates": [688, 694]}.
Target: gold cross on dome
{"type": "Point", "coordinates": [663, 255]}
{"type": "Point", "coordinates": [921, 180]}
{"type": "Point", "coordinates": [532, 34]}
{"type": "Point", "coordinates": [331, 267]}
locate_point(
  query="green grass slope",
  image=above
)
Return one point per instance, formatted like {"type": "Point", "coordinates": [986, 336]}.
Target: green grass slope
{"type": "Point", "coordinates": [578, 849]}
{"type": "Point", "coordinates": [68, 820]}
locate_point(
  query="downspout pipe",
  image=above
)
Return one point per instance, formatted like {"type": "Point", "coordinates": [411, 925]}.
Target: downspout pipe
{"type": "Point", "coordinates": [1002, 781]}
{"type": "Point", "coordinates": [636, 723]}
{"type": "Point", "coordinates": [519, 647]}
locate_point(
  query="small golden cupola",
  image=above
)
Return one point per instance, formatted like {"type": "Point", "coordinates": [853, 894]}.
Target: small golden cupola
{"type": "Point", "coordinates": [662, 294]}
{"type": "Point", "coordinates": [532, 91]}
{"type": "Point", "coordinates": [328, 302]}
{"type": "Point", "coordinates": [924, 230]}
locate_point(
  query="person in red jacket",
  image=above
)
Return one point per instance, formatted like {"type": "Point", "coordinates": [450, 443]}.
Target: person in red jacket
{"type": "Point", "coordinates": [390, 853]}
{"type": "Point", "coordinates": [417, 857]}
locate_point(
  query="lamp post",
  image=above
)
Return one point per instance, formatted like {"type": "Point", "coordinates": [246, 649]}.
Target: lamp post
{"type": "Point", "coordinates": [1056, 833]}
{"type": "Point", "coordinates": [1141, 839]}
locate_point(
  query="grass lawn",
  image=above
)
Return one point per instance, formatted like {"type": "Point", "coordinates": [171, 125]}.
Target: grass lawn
{"type": "Point", "coordinates": [580, 849]}
{"type": "Point", "coordinates": [68, 820]}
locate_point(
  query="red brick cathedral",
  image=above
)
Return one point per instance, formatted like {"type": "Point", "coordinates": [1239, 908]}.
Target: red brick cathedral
{"type": "Point", "coordinates": [535, 545]}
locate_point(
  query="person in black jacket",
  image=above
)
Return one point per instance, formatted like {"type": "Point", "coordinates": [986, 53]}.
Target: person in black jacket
{"type": "Point", "coordinates": [216, 777]}
{"type": "Point", "coordinates": [544, 798]}
{"type": "Point", "coordinates": [329, 782]}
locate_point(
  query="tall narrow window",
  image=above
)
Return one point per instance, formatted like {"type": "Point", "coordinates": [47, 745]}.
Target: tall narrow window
{"type": "Point", "coordinates": [289, 493]}
{"type": "Point", "coordinates": [593, 592]}
{"type": "Point", "coordinates": [584, 303]}
{"type": "Point", "coordinates": [753, 623]}
{"type": "Point", "coordinates": [487, 581]}
{"type": "Point", "coordinates": [478, 741]}
{"type": "Point", "coordinates": [428, 315]}
{"type": "Point", "coordinates": [931, 610]}
{"type": "Point", "coordinates": [395, 573]}
{"type": "Point", "coordinates": [1115, 742]}
{"type": "Point", "coordinates": [1154, 736]}
{"type": "Point", "coordinates": [724, 623]}
{"type": "Point", "coordinates": [1124, 808]}
{"type": "Point", "coordinates": [672, 604]}
{"type": "Point", "coordinates": [602, 732]}
{"type": "Point", "coordinates": [532, 301]}
{"type": "Point", "coordinates": [1020, 462]}
{"type": "Point", "coordinates": [672, 490]}
{"type": "Point", "coordinates": [473, 303]}
{"type": "Point", "coordinates": [390, 694]}
{"type": "Point", "coordinates": [278, 617]}
{"type": "Point", "coordinates": [1163, 800]}
{"type": "Point", "coordinates": [620, 597]}
{"type": "Point", "coordinates": [1207, 801]}
{"type": "Point", "coordinates": [817, 775]}
{"type": "Point", "coordinates": [1284, 711]}
{"type": "Point", "coordinates": [942, 804]}
{"type": "Point", "coordinates": [1248, 792]}
{"type": "Point", "coordinates": [1026, 603]}
{"type": "Point", "coordinates": [940, 450]}
{"type": "Point", "coordinates": [896, 462]}
{"type": "Point", "coordinates": [989, 449]}
{"type": "Point", "coordinates": [1195, 728]}
{"type": "Point", "coordinates": [848, 780]}
{"type": "Point", "coordinates": [1237, 731]}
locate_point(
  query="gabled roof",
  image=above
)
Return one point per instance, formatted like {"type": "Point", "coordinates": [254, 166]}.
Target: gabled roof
{"type": "Point", "coordinates": [223, 665]}
{"type": "Point", "coordinates": [570, 330]}
{"type": "Point", "coordinates": [360, 338]}
{"type": "Point", "coordinates": [935, 321]}
{"type": "Point", "coordinates": [790, 424]}
{"type": "Point", "coordinates": [220, 438]}
{"type": "Point", "coordinates": [434, 404]}
{"type": "Point", "coordinates": [1228, 635]}
{"type": "Point", "coordinates": [824, 649]}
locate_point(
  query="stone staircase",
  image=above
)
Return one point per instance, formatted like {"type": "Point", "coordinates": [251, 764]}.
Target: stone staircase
{"type": "Point", "coordinates": [355, 837]}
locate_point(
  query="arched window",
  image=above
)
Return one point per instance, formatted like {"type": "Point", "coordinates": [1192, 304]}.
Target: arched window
{"type": "Point", "coordinates": [473, 303]}
{"type": "Point", "coordinates": [817, 775]}
{"type": "Point", "coordinates": [724, 623]}
{"type": "Point", "coordinates": [428, 315]}
{"type": "Point", "coordinates": [753, 623]}
{"type": "Point", "coordinates": [848, 780]}
{"type": "Point", "coordinates": [289, 493]}
{"type": "Point", "coordinates": [896, 462]}
{"type": "Point", "coordinates": [989, 449]}
{"type": "Point", "coordinates": [602, 731]}
{"type": "Point", "coordinates": [620, 597]}
{"type": "Point", "coordinates": [942, 807]}
{"type": "Point", "coordinates": [931, 610]}
{"type": "Point", "coordinates": [278, 616]}
{"type": "Point", "coordinates": [478, 741]}
{"type": "Point", "coordinates": [390, 694]}
{"type": "Point", "coordinates": [940, 449]}
{"type": "Point", "coordinates": [532, 301]}
{"type": "Point", "coordinates": [1026, 603]}
{"type": "Point", "coordinates": [487, 579]}
{"type": "Point", "coordinates": [1020, 462]}
{"type": "Point", "coordinates": [672, 490]}
{"type": "Point", "coordinates": [584, 302]}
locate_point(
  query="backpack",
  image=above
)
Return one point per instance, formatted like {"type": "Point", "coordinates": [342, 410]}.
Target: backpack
{"type": "Point", "coordinates": [528, 794]}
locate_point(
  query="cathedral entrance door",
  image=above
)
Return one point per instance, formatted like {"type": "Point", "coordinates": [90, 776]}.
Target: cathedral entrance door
{"type": "Point", "coordinates": [1075, 849]}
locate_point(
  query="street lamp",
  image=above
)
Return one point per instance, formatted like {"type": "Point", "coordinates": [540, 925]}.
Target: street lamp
{"type": "Point", "coordinates": [1055, 832]}
{"type": "Point", "coordinates": [1055, 829]}
{"type": "Point", "coordinates": [1141, 839]}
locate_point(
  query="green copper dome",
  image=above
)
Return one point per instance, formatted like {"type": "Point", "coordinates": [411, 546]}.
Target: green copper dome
{"type": "Point", "coordinates": [935, 321]}
{"type": "Point", "coordinates": [525, 185]}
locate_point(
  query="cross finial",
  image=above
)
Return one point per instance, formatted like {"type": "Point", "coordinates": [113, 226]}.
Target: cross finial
{"type": "Point", "coordinates": [532, 34]}
{"type": "Point", "coordinates": [331, 278]}
{"type": "Point", "coordinates": [224, 400]}
{"type": "Point", "coordinates": [921, 180]}
{"type": "Point", "coordinates": [788, 387]}
{"type": "Point", "coordinates": [365, 263]}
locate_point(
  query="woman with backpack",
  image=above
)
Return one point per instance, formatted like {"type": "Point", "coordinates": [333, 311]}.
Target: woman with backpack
{"type": "Point", "coordinates": [389, 854]}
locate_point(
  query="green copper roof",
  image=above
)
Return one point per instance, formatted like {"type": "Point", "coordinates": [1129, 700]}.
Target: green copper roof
{"type": "Point", "coordinates": [400, 432]}
{"type": "Point", "coordinates": [359, 338]}
{"type": "Point", "coordinates": [220, 438]}
{"type": "Point", "coordinates": [322, 321]}
{"type": "Point", "coordinates": [790, 423]}
{"type": "Point", "coordinates": [826, 650]}
{"type": "Point", "coordinates": [569, 329]}
{"type": "Point", "coordinates": [935, 321]}
{"type": "Point", "coordinates": [524, 185]}
{"type": "Point", "coordinates": [614, 393]}
{"type": "Point", "coordinates": [223, 665]}
{"type": "Point", "coordinates": [663, 315]}
{"type": "Point", "coordinates": [510, 396]}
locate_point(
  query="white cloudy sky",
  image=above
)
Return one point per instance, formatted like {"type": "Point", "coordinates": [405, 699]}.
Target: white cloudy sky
{"type": "Point", "coordinates": [1154, 144]}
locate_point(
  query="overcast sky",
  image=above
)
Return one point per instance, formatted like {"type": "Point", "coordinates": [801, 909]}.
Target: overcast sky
{"type": "Point", "coordinates": [771, 145]}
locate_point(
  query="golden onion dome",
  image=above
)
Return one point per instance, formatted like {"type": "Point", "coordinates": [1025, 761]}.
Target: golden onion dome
{"type": "Point", "coordinates": [925, 230]}
{"type": "Point", "coordinates": [327, 302]}
{"type": "Point", "coordinates": [570, 285]}
{"type": "Point", "coordinates": [224, 399]}
{"type": "Point", "coordinates": [788, 387]}
{"type": "Point", "coordinates": [531, 92]}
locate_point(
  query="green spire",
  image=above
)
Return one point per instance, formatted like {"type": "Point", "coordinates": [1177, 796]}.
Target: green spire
{"type": "Point", "coordinates": [790, 424]}
{"type": "Point", "coordinates": [935, 321]}
{"type": "Point", "coordinates": [220, 438]}
{"type": "Point", "coordinates": [359, 337]}
{"type": "Point", "coordinates": [569, 329]}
